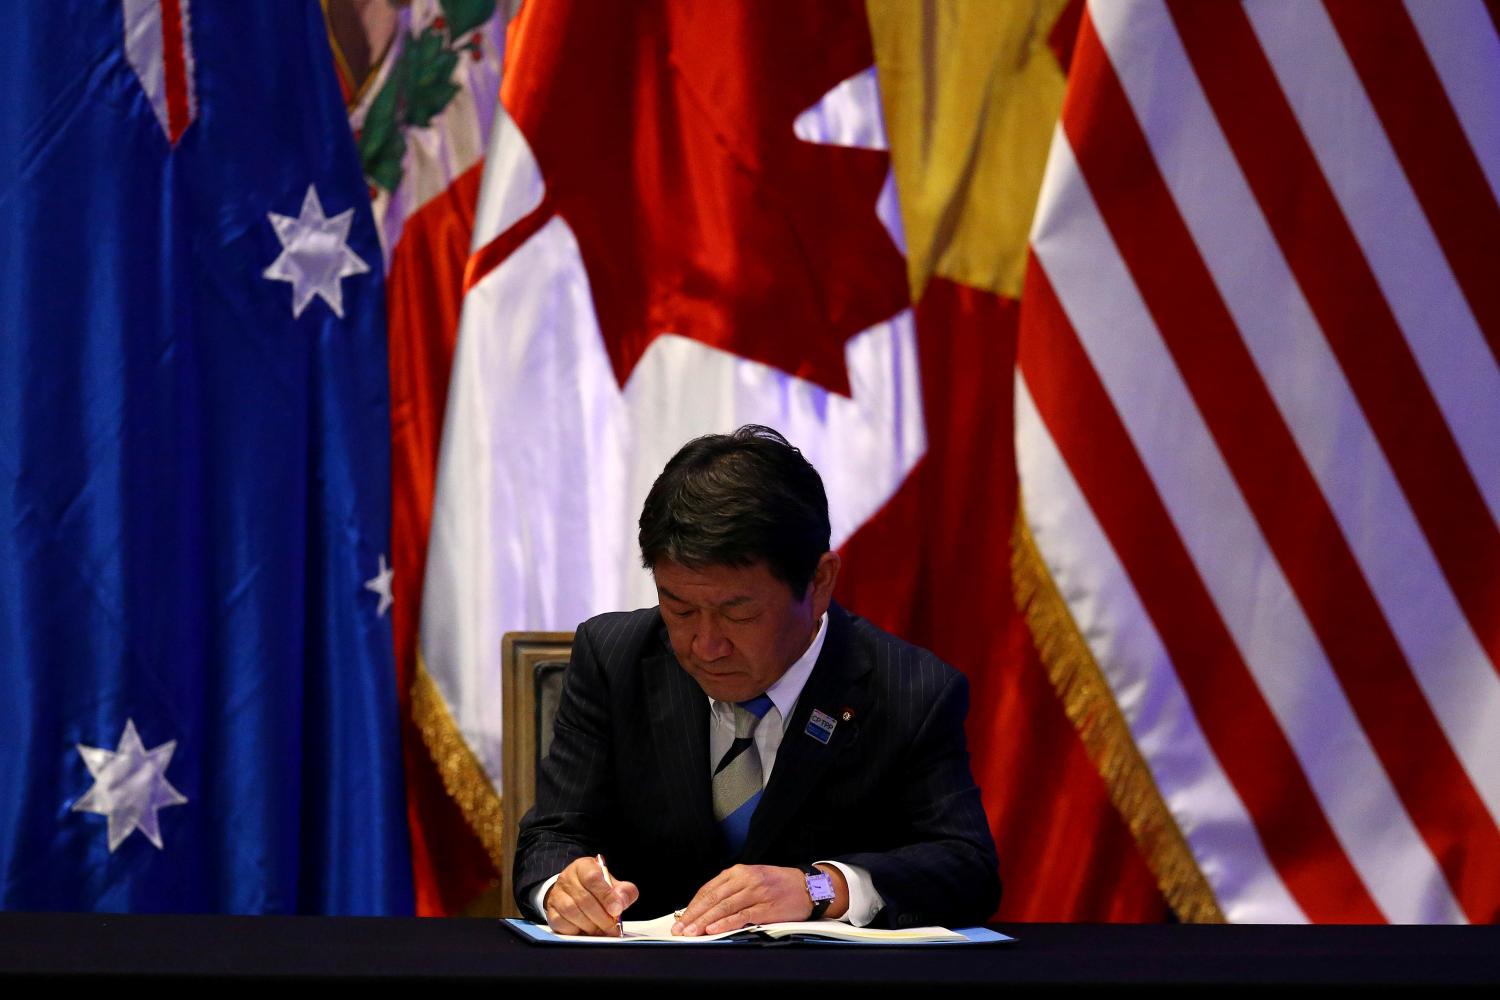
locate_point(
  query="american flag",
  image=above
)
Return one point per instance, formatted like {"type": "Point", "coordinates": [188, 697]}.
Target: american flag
{"type": "Point", "coordinates": [1258, 431]}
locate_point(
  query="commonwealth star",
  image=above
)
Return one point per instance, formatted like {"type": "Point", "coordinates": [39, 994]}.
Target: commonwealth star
{"type": "Point", "coordinates": [315, 255]}
{"type": "Point", "coordinates": [130, 785]}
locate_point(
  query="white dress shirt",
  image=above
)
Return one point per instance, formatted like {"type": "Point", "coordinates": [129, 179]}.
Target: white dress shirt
{"type": "Point", "coordinates": [864, 901]}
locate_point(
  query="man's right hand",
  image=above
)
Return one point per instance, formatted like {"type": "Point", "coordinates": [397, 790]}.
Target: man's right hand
{"type": "Point", "coordinates": [582, 900]}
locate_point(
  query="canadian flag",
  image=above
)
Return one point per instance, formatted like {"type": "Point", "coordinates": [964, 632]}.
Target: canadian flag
{"type": "Point", "coordinates": [690, 221]}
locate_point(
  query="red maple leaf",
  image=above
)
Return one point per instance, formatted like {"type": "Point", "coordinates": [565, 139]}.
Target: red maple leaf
{"type": "Point", "coordinates": [664, 135]}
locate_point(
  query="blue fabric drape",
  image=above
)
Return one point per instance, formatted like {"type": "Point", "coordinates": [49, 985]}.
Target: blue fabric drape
{"type": "Point", "coordinates": [194, 483]}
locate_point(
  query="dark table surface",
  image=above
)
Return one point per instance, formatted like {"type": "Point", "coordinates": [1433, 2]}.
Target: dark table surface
{"type": "Point", "coordinates": [272, 948]}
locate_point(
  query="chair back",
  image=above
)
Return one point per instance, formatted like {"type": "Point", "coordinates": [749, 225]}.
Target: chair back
{"type": "Point", "coordinates": [533, 665]}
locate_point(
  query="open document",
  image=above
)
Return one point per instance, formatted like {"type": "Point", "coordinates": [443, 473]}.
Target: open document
{"type": "Point", "coordinates": [659, 931]}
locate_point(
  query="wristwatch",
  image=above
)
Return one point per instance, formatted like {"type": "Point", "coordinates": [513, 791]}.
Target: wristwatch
{"type": "Point", "coordinates": [819, 889]}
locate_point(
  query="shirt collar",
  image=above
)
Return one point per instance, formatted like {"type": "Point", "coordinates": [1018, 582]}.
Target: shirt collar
{"type": "Point", "coordinates": [788, 687]}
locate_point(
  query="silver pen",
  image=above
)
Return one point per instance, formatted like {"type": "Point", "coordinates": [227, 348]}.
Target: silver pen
{"type": "Point", "coordinates": [619, 924]}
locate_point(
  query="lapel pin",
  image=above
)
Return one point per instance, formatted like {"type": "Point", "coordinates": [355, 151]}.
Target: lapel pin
{"type": "Point", "coordinates": [848, 714]}
{"type": "Point", "coordinates": [820, 726]}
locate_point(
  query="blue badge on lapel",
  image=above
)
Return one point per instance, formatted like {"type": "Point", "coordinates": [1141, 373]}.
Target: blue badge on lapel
{"type": "Point", "coordinates": [820, 726]}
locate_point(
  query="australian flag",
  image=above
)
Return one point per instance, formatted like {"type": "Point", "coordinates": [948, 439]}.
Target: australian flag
{"type": "Point", "coordinates": [197, 705]}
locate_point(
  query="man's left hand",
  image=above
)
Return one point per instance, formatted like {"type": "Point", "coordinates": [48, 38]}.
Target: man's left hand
{"type": "Point", "coordinates": [756, 894]}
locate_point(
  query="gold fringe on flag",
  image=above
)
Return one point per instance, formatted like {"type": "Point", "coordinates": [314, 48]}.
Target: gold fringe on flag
{"type": "Point", "coordinates": [462, 775]}
{"type": "Point", "coordinates": [1090, 705]}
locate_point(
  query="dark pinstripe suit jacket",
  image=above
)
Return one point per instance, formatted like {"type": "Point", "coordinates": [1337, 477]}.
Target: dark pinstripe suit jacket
{"type": "Point", "coordinates": [628, 776]}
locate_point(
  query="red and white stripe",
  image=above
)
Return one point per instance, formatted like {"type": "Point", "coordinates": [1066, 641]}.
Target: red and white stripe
{"type": "Point", "coordinates": [158, 45]}
{"type": "Point", "coordinates": [426, 226]}
{"type": "Point", "coordinates": [1256, 423]}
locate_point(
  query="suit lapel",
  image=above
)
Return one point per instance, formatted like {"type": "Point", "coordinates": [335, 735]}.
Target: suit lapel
{"type": "Point", "coordinates": [832, 687]}
{"type": "Point", "coordinates": [677, 716]}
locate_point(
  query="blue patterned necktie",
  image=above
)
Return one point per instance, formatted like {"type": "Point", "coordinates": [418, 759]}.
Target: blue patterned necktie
{"type": "Point", "coordinates": [737, 780]}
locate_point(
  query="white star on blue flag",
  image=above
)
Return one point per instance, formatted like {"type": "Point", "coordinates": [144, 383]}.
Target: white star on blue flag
{"type": "Point", "coordinates": [315, 255]}
{"type": "Point", "coordinates": [130, 785]}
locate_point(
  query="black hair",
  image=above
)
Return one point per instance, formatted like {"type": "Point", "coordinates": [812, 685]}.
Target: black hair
{"type": "Point", "coordinates": [737, 499]}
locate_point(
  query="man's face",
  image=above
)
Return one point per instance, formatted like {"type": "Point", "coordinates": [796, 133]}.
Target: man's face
{"type": "Point", "coordinates": [736, 629]}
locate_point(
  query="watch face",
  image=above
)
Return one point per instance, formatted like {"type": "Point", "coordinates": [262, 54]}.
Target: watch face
{"type": "Point", "coordinates": [820, 887]}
